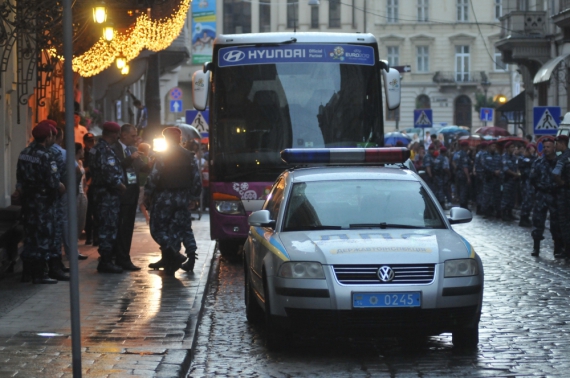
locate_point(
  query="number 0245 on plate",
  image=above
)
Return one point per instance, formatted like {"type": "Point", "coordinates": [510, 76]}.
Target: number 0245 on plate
{"type": "Point", "coordinates": [365, 300]}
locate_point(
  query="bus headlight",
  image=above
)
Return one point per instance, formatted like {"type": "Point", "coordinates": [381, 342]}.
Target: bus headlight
{"type": "Point", "coordinates": [229, 207]}
{"type": "Point", "coordinates": [461, 268]}
{"type": "Point", "coordinates": [301, 270]}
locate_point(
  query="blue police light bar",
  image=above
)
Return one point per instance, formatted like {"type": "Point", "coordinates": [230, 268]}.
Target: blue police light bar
{"type": "Point", "coordinates": [345, 156]}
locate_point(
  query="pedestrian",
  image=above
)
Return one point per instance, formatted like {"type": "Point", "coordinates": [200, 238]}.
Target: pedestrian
{"type": "Point", "coordinates": [463, 179]}
{"type": "Point", "coordinates": [542, 179]}
{"type": "Point", "coordinates": [527, 190]}
{"type": "Point", "coordinates": [479, 174]}
{"type": "Point", "coordinates": [563, 195]}
{"type": "Point", "coordinates": [141, 117]}
{"type": "Point", "coordinates": [427, 140]}
{"type": "Point", "coordinates": [79, 130]}
{"type": "Point", "coordinates": [129, 160]}
{"type": "Point", "coordinates": [511, 176]}
{"type": "Point", "coordinates": [80, 190]}
{"type": "Point", "coordinates": [492, 187]}
{"type": "Point", "coordinates": [144, 150]}
{"type": "Point", "coordinates": [38, 186]}
{"type": "Point", "coordinates": [428, 166]}
{"type": "Point", "coordinates": [441, 175]}
{"type": "Point", "coordinates": [90, 223]}
{"type": "Point", "coordinates": [107, 186]}
{"type": "Point", "coordinates": [172, 185]}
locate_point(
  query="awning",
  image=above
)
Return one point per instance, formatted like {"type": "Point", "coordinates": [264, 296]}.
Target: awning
{"type": "Point", "coordinates": [544, 73]}
{"type": "Point", "coordinates": [515, 104]}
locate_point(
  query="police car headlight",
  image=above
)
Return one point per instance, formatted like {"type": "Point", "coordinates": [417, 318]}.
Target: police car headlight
{"type": "Point", "coordinates": [302, 270]}
{"type": "Point", "coordinates": [229, 207]}
{"type": "Point", "coordinates": [461, 268]}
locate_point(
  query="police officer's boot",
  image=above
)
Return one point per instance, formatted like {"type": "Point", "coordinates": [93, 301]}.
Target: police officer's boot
{"type": "Point", "coordinates": [174, 261]}
{"type": "Point", "coordinates": [188, 266]}
{"type": "Point", "coordinates": [55, 270]}
{"type": "Point", "coordinates": [536, 248]}
{"type": "Point", "coordinates": [106, 265]}
{"type": "Point", "coordinates": [26, 271]}
{"type": "Point", "coordinates": [160, 263]}
{"type": "Point", "coordinates": [559, 251]}
{"type": "Point", "coordinates": [39, 275]}
{"type": "Point", "coordinates": [525, 222]}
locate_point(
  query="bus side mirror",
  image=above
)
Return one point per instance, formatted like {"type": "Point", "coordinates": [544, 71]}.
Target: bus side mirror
{"type": "Point", "coordinates": [200, 89]}
{"type": "Point", "coordinates": [392, 88]}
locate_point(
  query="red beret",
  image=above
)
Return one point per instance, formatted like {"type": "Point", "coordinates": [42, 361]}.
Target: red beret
{"type": "Point", "coordinates": [464, 143]}
{"type": "Point", "coordinates": [431, 147]}
{"type": "Point", "coordinates": [443, 149]}
{"type": "Point", "coordinates": [172, 132]}
{"type": "Point", "coordinates": [562, 138]}
{"type": "Point", "coordinates": [548, 139]}
{"type": "Point", "coordinates": [43, 129]}
{"type": "Point", "coordinates": [484, 143]}
{"type": "Point", "coordinates": [113, 127]}
{"type": "Point", "coordinates": [530, 145]}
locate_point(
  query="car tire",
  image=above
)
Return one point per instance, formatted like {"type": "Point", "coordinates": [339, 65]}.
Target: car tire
{"type": "Point", "coordinates": [467, 338]}
{"type": "Point", "coordinates": [274, 340]}
{"type": "Point", "coordinates": [253, 312]}
{"type": "Point", "coordinates": [230, 249]}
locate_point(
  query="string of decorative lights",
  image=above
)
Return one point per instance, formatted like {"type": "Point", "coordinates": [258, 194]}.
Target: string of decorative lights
{"type": "Point", "coordinates": [155, 35]}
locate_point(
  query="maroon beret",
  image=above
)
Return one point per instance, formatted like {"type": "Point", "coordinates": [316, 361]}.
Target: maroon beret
{"type": "Point", "coordinates": [43, 129]}
{"type": "Point", "coordinates": [443, 149]}
{"type": "Point", "coordinates": [548, 139]}
{"type": "Point", "coordinates": [113, 127]}
{"type": "Point", "coordinates": [530, 145]}
{"type": "Point", "coordinates": [484, 144]}
{"type": "Point", "coordinates": [562, 138]}
{"type": "Point", "coordinates": [464, 143]}
{"type": "Point", "coordinates": [172, 132]}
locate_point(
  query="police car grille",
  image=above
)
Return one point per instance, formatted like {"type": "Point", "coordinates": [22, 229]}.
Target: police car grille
{"type": "Point", "coordinates": [368, 274]}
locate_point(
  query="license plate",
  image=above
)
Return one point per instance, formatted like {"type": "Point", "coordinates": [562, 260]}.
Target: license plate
{"type": "Point", "coordinates": [366, 300]}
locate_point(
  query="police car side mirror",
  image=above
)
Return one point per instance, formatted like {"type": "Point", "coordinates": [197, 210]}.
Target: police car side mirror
{"type": "Point", "coordinates": [261, 219]}
{"type": "Point", "coordinates": [459, 215]}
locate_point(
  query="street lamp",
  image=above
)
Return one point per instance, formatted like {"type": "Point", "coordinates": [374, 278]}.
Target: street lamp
{"type": "Point", "coordinates": [99, 13]}
{"type": "Point", "coordinates": [108, 32]}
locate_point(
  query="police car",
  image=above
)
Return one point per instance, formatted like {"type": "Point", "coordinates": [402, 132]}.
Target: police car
{"type": "Point", "coordinates": [346, 244]}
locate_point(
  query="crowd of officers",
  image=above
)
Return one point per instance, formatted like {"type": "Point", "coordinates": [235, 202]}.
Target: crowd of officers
{"type": "Point", "coordinates": [113, 166]}
{"type": "Point", "coordinates": [496, 180]}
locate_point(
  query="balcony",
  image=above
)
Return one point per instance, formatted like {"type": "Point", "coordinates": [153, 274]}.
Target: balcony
{"type": "Point", "coordinates": [452, 78]}
{"type": "Point", "coordinates": [524, 24]}
{"type": "Point", "coordinates": [562, 19]}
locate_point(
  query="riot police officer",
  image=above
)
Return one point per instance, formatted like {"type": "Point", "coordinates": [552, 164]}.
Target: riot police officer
{"type": "Point", "coordinates": [461, 165]}
{"type": "Point", "coordinates": [172, 184]}
{"type": "Point", "coordinates": [107, 184]}
{"type": "Point", "coordinates": [441, 175]}
{"type": "Point", "coordinates": [38, 185]}
{"type": "Point", "coordinates": [541, 178]}
{"type": "Point", "coordinates": [527, 190]}
{"type": "Point", "coordinates": [511, 175]}
{"type": "Point", "coordinates": [561, 174]}
{"type": "Point", "coordinates": [479, 174]}
{"type": "Point", "coordinates": [492, 186]}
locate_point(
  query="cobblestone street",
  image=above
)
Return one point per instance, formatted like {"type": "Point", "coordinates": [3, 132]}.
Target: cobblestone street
{"type": "Point", "coordinates": [524, 330]}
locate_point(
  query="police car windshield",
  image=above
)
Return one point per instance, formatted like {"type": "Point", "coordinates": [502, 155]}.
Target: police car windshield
{"type": "Point", "coordinates": [261, 109]}
{"type": "Point", "coordinates": [360, 204]}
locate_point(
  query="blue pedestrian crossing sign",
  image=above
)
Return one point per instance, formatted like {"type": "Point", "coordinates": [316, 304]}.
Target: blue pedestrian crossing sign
{"type": "Point", "coordinates": [175, 106]}
{"type": "Point", "coordinates": [423, 118]}
{"type": "Point", "coordinates": [486, 114]}
{"type": "Point", "coordinates": [546, 120]}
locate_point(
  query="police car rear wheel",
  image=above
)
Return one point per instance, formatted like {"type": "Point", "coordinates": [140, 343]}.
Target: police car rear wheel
{"type": "Point", "coordinates": [274, 340]}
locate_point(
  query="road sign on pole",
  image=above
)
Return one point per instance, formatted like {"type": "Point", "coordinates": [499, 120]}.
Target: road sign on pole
{"type": "Point", "coordinates": [423, 118]}
{"type": "Point", "coordinates": [175, 106]}
{"type": "Point", "coordinates": [403, 69]}
{"type": "Point", "coordinates": [486, 114]}
{"type": "Point", "coordinates": [546, 119]}
{"type": "Point", "coordinates": [175, 93]}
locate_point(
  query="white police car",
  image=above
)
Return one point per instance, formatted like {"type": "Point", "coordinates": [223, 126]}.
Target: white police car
{"type": "Point", "coordinates": [346, 245]}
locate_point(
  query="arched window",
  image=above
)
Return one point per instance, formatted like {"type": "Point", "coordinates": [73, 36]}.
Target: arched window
{"type": "Point", "coordinates": [462, 112]}
{"type": "Point", "coordinates": [423, 102]}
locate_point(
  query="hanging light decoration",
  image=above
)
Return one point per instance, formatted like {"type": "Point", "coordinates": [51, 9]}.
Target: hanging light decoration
{"type": "Point", "coordinates": [108, 32]}
{"type": "Point", "coordinates": [121, 62]}
{"type": "Point", "coordinates": [154, 35]}
{"type": "Point", "coordinates": [100, 13]}
{"type": "Point", "coordinates": [125, 70]}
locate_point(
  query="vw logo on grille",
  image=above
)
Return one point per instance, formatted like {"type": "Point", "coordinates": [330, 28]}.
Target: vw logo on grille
{"type": "Point", "coordinates": [234, 56]}
{"type": "Point", "coordinates": [385, 273]}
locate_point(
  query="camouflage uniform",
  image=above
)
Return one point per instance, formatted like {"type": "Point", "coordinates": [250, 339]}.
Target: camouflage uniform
{"type": "Point", "coordinates": [440, 169]}
{"type": "Point", "coordinates": [61, 206]}
{"type": "Point", "coordinates": [461, 161]}
{"type": "Point", "coordinates": [479, 178]}
{"type": "Point", "coordinates": [172, 184]}
{"type": "Point", "coordinates": [563, 197]}
{"type": "Point", "coordinates": [525, 165]}
{"type": "Point", "coordinates": [541, 178]}
{"type": "Point", "coordinates": [492, 186]}
{"type": "Point", "coordinates": [561, 160]}
{"type": "Point", "coordinates": [509, 163]}
{"type": "Point", "coordinates": [107, 175]}
{"type": "Point", "coordinates": [428, 162]}
{"type": "Point", "coordinates": [38, 179]}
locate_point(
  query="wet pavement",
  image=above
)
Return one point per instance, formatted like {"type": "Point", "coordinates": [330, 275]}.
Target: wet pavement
{"type": "Point", "coordinates": [524, 330]}
{"type": "Point", "coordinates": [132, 324]}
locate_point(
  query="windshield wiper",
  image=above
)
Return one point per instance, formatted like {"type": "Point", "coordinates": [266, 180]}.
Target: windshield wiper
{"type": "Point", "coordinates": [381, 225]}
{"type": "Point", "coordinates": [313, 228]}
{"type": "Point", "coordinates": [269, 44]}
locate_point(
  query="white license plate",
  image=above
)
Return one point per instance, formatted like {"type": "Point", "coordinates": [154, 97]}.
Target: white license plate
{"type": "Point", "coordinates": [366, 300]}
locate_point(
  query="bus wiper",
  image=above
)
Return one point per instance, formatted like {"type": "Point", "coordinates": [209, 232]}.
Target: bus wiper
{"type": "Point", "coordinates": [313, 228]}
{"type": "Point", "coordinates": [287, 42]}
{"type": "Point", "coordinates": [381, 225]}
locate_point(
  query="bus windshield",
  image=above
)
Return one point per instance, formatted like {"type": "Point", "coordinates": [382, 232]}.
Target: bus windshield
{"type": "Point", "coordinates": [261, 109]}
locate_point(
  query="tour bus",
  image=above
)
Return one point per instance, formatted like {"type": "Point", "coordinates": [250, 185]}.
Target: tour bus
{"type": "Point", "coordinates": [270, 91]}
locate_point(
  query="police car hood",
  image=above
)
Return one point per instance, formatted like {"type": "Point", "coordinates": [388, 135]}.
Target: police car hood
{"type": "Point", "coordinates": [373, 246]}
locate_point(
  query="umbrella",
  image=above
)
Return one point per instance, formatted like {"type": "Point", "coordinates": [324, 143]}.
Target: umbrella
{"type": "Point", "coordinates": [394, 137]}
{"type": "Point", "coordinates": [188, 132]}
{"type": "Point", "coordinates": [503, 140]}
{"type": "Point", "coordinates": [453, 130]}
{"type": "Point", "coordinates": [492, 130]}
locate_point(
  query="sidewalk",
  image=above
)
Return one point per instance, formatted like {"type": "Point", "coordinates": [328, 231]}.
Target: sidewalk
{"type": "Point", "coordinates": [132, 324]}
